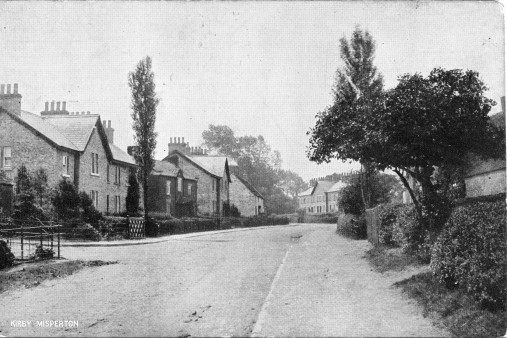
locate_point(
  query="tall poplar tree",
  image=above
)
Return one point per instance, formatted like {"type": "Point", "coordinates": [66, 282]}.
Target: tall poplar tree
{"type": "Point", "coordinates": [357, 85]}
{"type": "Point", "coordinates": [144, 109]}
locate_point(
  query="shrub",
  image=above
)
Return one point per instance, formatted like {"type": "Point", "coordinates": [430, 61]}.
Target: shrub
{"type": "Point", "coordinates": [89, 213]}
{"type": "Point", "coordinates": [262, 220]}
{"type": "Point", "coordinates": [6, 256]}
{"type": "Point", "coordinates": [43, 253]}
{"type": "Point", "coordinates": [351, 226]}
{"type": "Point", "coordinates": [471, 252]}
{"type": "Point", "coordinates": [112, 228]}
{"type": "Point", "coordinates": [76, 229]}
{"type": "Point", "coordinates": [301, 213]}
{"type": "Point", "coordinates": [387, 224]}
{"type": "Point", "coordinates": [66, 200]}
{"type": "Point", "coordinates": [151, 227]}
{"type": "Point", "coordinates": [132, 200]}
{"type": "Point", "coordinates": [234, 212]}
{"type": "Point", "coordinates": [170, 226]}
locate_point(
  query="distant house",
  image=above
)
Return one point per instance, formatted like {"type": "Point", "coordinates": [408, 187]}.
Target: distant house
{"type": "Point", "coordinates": [245, 197]}
{"type": "Point", "coordinates": [211, 172]}
{"type": "Point", "coordinates": [486, 177]}
{"type": "Point", "coordinates": [170, 191]}
{"type": "Point", "coordinates": [333, 196]}
{"type": "Point", "coordinates": [72, 146]}
{"type": "Point", "coordinates": [315, 199]}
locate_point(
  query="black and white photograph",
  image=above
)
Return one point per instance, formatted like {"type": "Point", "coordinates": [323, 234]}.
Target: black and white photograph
{"type": "Point", "coordinates": [252, 169]}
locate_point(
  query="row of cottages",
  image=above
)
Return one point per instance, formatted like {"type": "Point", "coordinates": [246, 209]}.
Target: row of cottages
{"type": "Point", "coordinates": [189, 174]}
{"type": "Point", "coordinates": [74, 146]}
{"type": "Point", "coordinates": [322, 197]}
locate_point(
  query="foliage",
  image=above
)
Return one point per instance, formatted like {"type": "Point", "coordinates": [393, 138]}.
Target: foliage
{"type": "Point", "coordinates": [144, 108]}
{"type": "Point", "coordinates": [384, 258]}
{"type": "Point", "coordinates": [454, 308]}
{"type": "Point", "coordinates": [352, 226]}
{"type": "Point", "coordinates": [43, 253]}
{"type": "Point", "coordinates": [132, 200]}
{"type": "Point", "coordinates": [6, 256]}
{"type": "Point", "coordinates": [151, 227]}
{"type": "Point", "coordinates": [350, 200]}
{"type": "Point", "coordinates": [25, 206]}
{"type": "Point", "coordinates": [234, 211]}
{"type": "Point", "coordinates": [422, 124]}
{"type": "Point", "coordinates": [40, 185]}
{"type": "Point", "coordinates": [88, 212]}
{"type": "Point", "coordinates": [75, 229]}
{"type": "Point", "coordinates": [262, 220]}
{"type": "Point", "coordinates": [387, 223]}
{"type": "Point", "coordinates": [66, 200]}
{"type": "Point", "coordinates": [258, 165]}
{"type": "Point", "coordinates": [471, 252]}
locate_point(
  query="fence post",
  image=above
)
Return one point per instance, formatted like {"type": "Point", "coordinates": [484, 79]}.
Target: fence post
{"type": "Point", "coordinates": [58, 244]}
{"type": "Point", "coordinates": [22, 238]}
{"type": "Point", "coordinates": [41, 237]}
{"type": "Point", "coordinates": [128, 226]}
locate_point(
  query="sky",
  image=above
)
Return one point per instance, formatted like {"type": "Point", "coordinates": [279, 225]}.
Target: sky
{"type": "Point", "coordinates": [261, 68]}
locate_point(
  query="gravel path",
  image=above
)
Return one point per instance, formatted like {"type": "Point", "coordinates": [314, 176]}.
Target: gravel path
{"type": "Point", "coordinates": [283, 281]}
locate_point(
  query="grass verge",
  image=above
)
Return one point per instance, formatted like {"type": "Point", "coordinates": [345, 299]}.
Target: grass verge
{"type": "Point", "coordinates": [389, 259]}
{"type": "Point", "coordinates": [32, 274]}
{"type": "Point", "coordinates": [455, 309]}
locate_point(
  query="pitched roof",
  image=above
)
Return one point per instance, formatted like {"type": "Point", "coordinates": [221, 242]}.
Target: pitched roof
{"type": "Point", "coordinates": [71, 131]}
{"type": "Point", "coordinates": [337, 186]}
{"type": "Point", "coordinates": [214, 164]}
{"type": "Point", "coordinates": [307, 192]}
{"type": "Point", "coordinates": [46, 129]}
{"type": "Point", "coordinates": [164, 168]}
{"type": "Point", "coordinates": [120, 155]}
{"type": "Point", "coordinates": [326, 185]}
{"type": "Point", "coordinates": [248, 185]}
{"type": "Point", "coordinates": [76, 128]}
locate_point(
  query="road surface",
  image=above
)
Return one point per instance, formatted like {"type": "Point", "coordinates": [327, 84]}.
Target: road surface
{"type": "Point", "coordinates": [302, 280]}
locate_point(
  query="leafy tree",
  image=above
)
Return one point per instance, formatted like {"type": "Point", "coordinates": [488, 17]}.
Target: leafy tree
{"type": "Point", "coordinates": [144, 108]}
{"type": "Point", "coordinates": [25, 205]}
{"type": "Point", "coordinates": [66, 200]}
{"type": "Point", "coordinates": [132, 200]}
{"type": "Point", "coordinates": [422, 124]}
{"type": "Point", "coordinates": [40, 185]}
{"type": "Point", "coordinates": [291, 184]}
{"type": "Point", "coordinates": [256, 163]}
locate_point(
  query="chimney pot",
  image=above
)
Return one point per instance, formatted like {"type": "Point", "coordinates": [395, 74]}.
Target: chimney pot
{"type": "Point", "coordinates": [46, 106]}
{"type": "Point", "coordinates": [104, 124]}
{"type": "Point", "coordinates": [58, 106]}
{"type": "Point", "coordinates": [15, 88]}
{"type": "Point", "coordinates": [2, 89]}
{"type": "Point", "coordinates": [64, 105]}
{"type": "Point", "coordinates": [179, 140]}
{"type": "Point", "coordinates": [170, 140]}
{"type": "Point", "coordinates": [88, 112]}
{"type": "Point", "coordinates": [182, 140]}
{"type": "Point", "coordinates": [82, 113]}
{"type": "Point", "coordinates": [52, 105]}
{"type": "Point", "coordinates": [8, 88]}
{"type": "Point", "coordinates": [109, 124]}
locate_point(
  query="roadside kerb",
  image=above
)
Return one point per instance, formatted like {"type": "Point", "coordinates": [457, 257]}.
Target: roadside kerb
{"type": "Point", "coordinates": [165, 238]}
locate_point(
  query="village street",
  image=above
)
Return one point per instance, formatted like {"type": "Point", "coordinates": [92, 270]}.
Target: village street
{"type": "Point", "coordinates": [297, 280]}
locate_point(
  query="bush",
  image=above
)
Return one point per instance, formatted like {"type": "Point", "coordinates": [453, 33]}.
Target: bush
{"type": "Point", "coordinates": [66, 200]}
{"type": "Point", "coordinates": [89, 213]}
{"type": "Point", "coordinates": [6, 256]}
{"type": "Point", "coordinates": [113, 228]}
{"type": "Point", "coordinates": [234, 212]}
{"type": "Point", "coordinates": [151, 227]}
{"type": "Point", "coordinates": [471, 252]}
{"type": "Point", "coordinates": [41, 253]}
{"type": "Point", "coordinates": [262, 220]}
{"type": "Point", "coordinates": [387, 224]}
{"type": "Point", "coordinates": [76, 229]}
{"type": "Point", "coordinates": [352, 226]}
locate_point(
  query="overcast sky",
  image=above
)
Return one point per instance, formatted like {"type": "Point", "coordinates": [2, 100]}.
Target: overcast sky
{"type": "Point", "coordinates": [259, 67]}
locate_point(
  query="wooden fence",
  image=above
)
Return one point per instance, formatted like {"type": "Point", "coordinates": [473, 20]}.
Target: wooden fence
{"type": "Point", "coordinates": [373, 224]}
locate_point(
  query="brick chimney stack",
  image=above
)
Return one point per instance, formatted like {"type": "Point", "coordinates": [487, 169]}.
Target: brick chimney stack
{"type": "Point", "coordinates": [109, 131]}
{"type": "Point", "coordinates": [53, 111]}
{"type": "Point", "coordinates": [10, 102]}
{"type": "Point", "coordinates": [176, 143]}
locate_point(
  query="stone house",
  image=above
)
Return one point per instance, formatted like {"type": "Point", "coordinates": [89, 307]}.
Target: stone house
{"type": "Point", "coordinates": [74, 146]}
{"type": "Point", "coordinates": [211, 172]}
{"type": "Point", "coordinates": [315, 199]}
{"type": "Point", "coordinates": [333, 195]}
{"type": "Point", "coordinates": [170, 191]}
{"type": "Point", "coordinates": [245, 197]}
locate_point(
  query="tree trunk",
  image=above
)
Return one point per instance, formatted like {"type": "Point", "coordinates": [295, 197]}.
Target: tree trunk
{"type": "Point", "coordinates": [410, 191]}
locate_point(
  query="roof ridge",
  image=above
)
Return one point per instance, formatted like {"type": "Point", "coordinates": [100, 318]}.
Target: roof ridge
{"type": "Point", "coordinates": [52, 125]}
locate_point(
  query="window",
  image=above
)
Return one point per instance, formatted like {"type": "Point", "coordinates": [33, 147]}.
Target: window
{"type": "Point", "coordinates": [107, 173]}
{"type": "Point", "coordinates": [107, 204]}
{"type": "Point", "coordinates": [168, 187]}
{"type": "Point", "coordinates": [5, 158]}
{"type": "Point", "coordinates": [213, 206]}
{"type": "Point", "coordinates": [189, 189]}
{"type": "Point", "coordinates": [117, 204]}
{"type": "Point", "coordinates": [117, 175]}
{"type": "Point", "coordinates": [94, 195]}
{"type": "Point", "coordinates": [180, 184]}
{"type": "Point", "coordinates": [95, 163]}
{"type": "Point", "coordinates": [212, 184]}
{"type": "Point", "coordinates": [65, 164]}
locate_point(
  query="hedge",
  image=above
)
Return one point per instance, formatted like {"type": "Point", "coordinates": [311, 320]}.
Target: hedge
{"type": "Point", "coordinates": [471, 252]}
{"type": "Point", "coordinates": [351, 226]}
{"type": "Point", "coordinates": [6, 256]}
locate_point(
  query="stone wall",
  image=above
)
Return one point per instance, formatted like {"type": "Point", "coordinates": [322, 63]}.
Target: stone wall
{"type": "Point", "coordinates": [107, 189]}
{"type": "Point", "coordinates": [242, 198]}
{"type": "Point", "coordinates": [31, 150]}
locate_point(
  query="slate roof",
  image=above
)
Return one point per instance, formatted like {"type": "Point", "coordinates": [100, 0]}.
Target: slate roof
{"type": "Point", "coordinates": [71, 131]}
{"type": "Point", "coordinates": [248, 185]}
{"type": "Point", "coordinates": [337, 186]}
{"type": "Point", "coordinates": [307, 192]}
{"type": "Point", "coordinates": [164, 168]}
{"type": "Point", "coordinates": [215, 164]}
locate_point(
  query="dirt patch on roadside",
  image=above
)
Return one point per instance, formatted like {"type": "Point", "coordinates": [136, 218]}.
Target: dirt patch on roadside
{"type": "Point", "coordinates": [29, 275]}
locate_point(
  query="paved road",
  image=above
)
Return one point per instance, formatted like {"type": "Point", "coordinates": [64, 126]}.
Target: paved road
{"type": "Point", "coordinates": [299, 280]}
